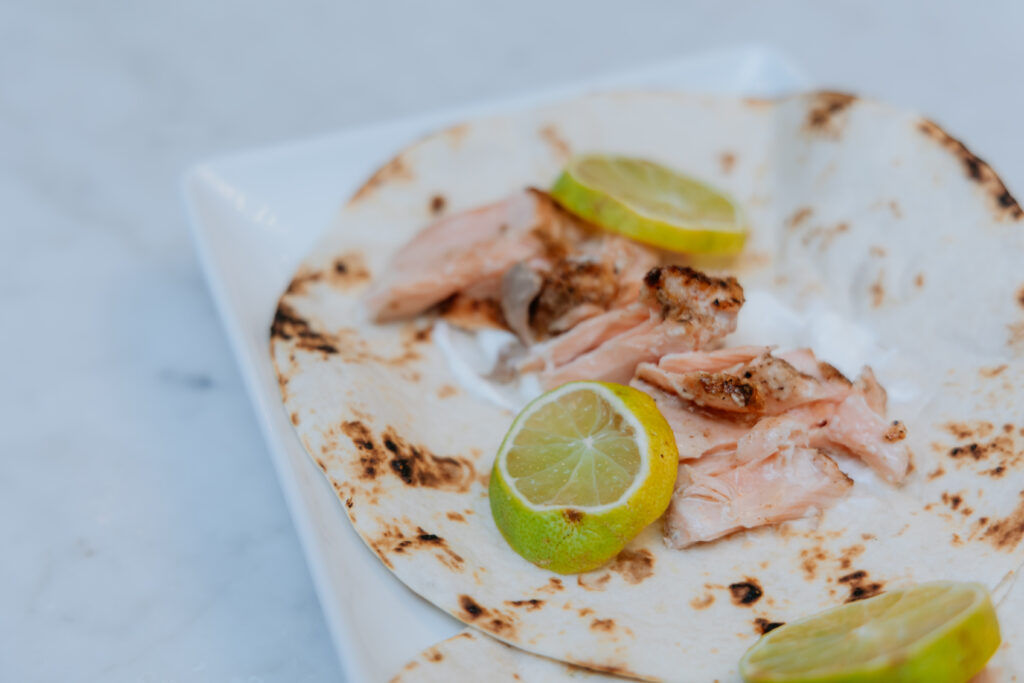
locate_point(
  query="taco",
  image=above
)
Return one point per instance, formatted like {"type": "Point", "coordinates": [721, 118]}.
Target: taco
{"type": "Point", "coordinates": [875, 236]}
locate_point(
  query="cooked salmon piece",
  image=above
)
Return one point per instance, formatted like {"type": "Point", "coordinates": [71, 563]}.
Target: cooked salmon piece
{"type": "Point", "coordinates": [679, 309]}
{"type": "Point", "coordinates": [543, 298]}
{"type": "Point", "coordinates": [697, 431]}
{"type": "Point", "coordinates": [873, 392]}
{"type": "Point", "coordinates": [710, 361]}
{"type": "Point", "coordinates": [765, 385]}
{"type": "Point", "coordinates": [770, 476]}
{"type": "Point", "coordinates": [859, 430]}
{"type": "Point", "coordinates": [470, 252]}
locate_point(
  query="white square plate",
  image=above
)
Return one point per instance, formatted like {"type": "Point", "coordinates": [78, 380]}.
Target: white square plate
{"type": "Point", "coordinates": [254, 216]}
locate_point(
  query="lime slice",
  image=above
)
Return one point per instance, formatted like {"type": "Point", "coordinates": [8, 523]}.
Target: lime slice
{"type": "Point", "coordinates": [652, 204]}
{"type": "Point", "coordinates": [581, 471]}
{"type": "Point", "coordinates": [940, 632]}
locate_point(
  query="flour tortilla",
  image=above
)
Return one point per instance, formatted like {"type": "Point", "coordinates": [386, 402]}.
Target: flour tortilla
{"type": "Point", "coordinates": [471, 656]}
{"type": "Point", "coordinates": [870, 210]}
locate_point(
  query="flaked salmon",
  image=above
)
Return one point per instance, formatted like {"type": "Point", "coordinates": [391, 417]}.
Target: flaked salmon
{"type": "Point", "coordinates": [764, 385]}
{"type": "Point", "coordinates": [470, 253]}
{"type": "Point", "coordinates": [697, 431]}
{"type": "Point", "coordinates": [678, 309]}
{"type": "Point", "coordinates": [769, 476]}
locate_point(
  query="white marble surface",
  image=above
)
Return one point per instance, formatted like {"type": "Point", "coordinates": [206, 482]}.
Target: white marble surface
{"type": "Point", "coordinates": [144, 537]}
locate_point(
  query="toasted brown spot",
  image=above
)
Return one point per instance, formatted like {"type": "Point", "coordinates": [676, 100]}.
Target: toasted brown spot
{"type": "Point", "coordinates": [1016, 339]}
{"type": "Point", "coordinates": [613, 669]}
{"type": "Point", "coordinates": [727, 161]}
{"type": "Point", "coordinates": [433, 655]}
{"type": "Point", "coordinates": [799, 216]}
{"type": "Point", "coordinates": [591, 583]}
{"type": "Point", "coordinates": [825, 111]}
{"type": "Point", "coordinates": [936, 473]}
{"type": "Point", "coordinates": [967, 430]}
{"type": "Point", "coordinates": [555, 142]}
{"type": "Point", "coordinates": [633, 565]}
{"type": "Point", "coordinates": [976, 169]}
{"type": "Point", "coordinates": [811, 558]}
{"type": "Point", "coordinates": [417, 466]}
{"type": "Point", "coordinates": [996, 472]}
{"type": "Point", "coordinates": [586, 611]}
{"type": "Point", "coordinates": [396, 169]}
{"type": "Point", "coordinates": [745, 592]}
{"type": "Point", "coordinates": [702, 602]}
{"type": "Point", "coordinates": [553, 586]}
{"type": "Point", "coordinates": [348, 270]}
{"type": "Point", "coordinates": [299, 283]}
{"type": "Point", "coordinates": [919, 280]}
{"type": "Point", "coordinates": [295, 419]}
{"type": "Point", "coordinates": [894, 207]}
{"type": "Point", "coordinates": [993, 371]}
{"type": "Point", "coordinates": [953, 500]}
{"type": "Point", "coordinates": [1006, 533]}
{"type": "Point", "coordinates": [861, 587]}
{"type": "Point", "coordinates": [455, 517]}
{"type": "Point", "coordinates": [288, 325]}
{"type": "Point", "coordinates": [447, 391]}
{"type": "Point", "coordinates": [471, 610]}
{"type": "Point", "coordinates": [765, 626]}
{"type": "Point", "coordinates": [437, 204]}
{"type": "Point", "coordinates": [877, 289]}
{"type": "Point", "coordinates": [602, 625]}
{"type": "Point", "coordinates": [530, 605]}
{"type": "Point", "coordinates": [370, 458]}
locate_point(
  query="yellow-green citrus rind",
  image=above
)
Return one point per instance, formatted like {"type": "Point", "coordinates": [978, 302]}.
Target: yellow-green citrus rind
{"type": "Point", "coordinates": [941, 632]}
{"type": "Point", "coordinates": [628, 196]}
{"type": "Point", "coordinates": [570, 539]}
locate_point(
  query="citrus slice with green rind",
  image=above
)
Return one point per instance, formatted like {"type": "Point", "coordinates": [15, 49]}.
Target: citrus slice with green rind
{"type": "Point", "coordinates": [583, 469]}
{"type": "Point", "coordinates": [941, 632]}
{"type": "Point", "coordinates": [652, 204]}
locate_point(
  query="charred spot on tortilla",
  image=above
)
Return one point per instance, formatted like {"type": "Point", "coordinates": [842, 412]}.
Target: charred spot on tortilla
{"type": "Point", "coordinates": [994, 371]}
{"type": "Point", "coordinates": [370, 459]}
{"type": "Point", "coordinates": [727, 161]}
{"type": "Point", "coordinates": [703, 601]}
{"type": "Point", "coordinates": [395, 169]}
{"type": "Point", "coordinates": [471, 610]}
{"type": "Point", "coordinates": [425, 537]}
{"type": "Point", "coordinates": [555, 141]}
{"type": "Point", "coordinates": [633, 565]}
{"type": "Point", "coordinates": [349, 270]}
{"type": "Point", "coordinates": [437, 204]}
{"type": "Point", "coordinates": [434, 655]}
{"type": "Point", "coordinates": [976, 170]}
{"type": "Point", "coordinates": [416, 466]}
{"type": "Point", "coordinates": [602, 625]}
{"type": "Point", "coordinates": [745, 592]}
{"type": "Point", "coordinates": [1006, 533]}
{"type": "Point", "coordinates": [530, 605]}
{"type": "Point", "coordinates": [953, 500]}
{"type": "Point", "coordinates": [288, 325]}
{"type": "Point", "coordinates": [861, 587]}
{"type": "Point", "coordinates": [455, 517]}
{"type": "Point", "coordinates": [764, 626]}
{"type": "Point", "coordinates": [825, 110]}
{"type": "Point", "coordinates": [799, 216]}
{"type": "Point", "coordinates": [303, 277]}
